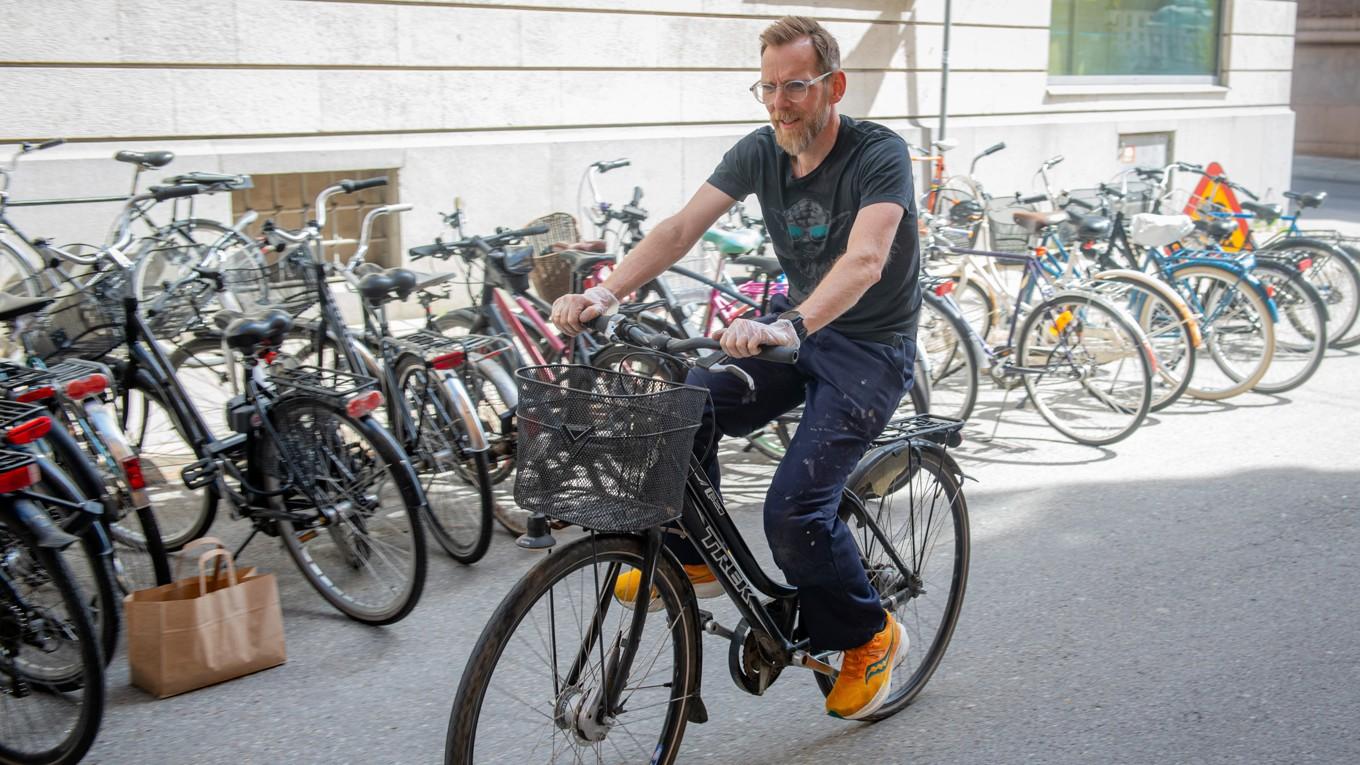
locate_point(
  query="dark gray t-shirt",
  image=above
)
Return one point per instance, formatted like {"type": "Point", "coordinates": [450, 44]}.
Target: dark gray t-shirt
{"type": "Point", "coordinates": [809, 218]}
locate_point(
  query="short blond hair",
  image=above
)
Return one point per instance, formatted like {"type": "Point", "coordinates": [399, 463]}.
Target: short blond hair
{"type": "Point", "coordinates": [792, 28]}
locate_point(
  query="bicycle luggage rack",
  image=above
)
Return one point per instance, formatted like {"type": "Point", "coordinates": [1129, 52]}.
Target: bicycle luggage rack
{"type": "Point", "coordinates": [931, 427]}
{"type": "Point", "coordinates": [429, 344]}
{"type": "Point", "coordinates": [330, 383]}
{"type": "Point", "coordinates": [16, 379]}
{"type": "Point", "coordinates": [13, 413]}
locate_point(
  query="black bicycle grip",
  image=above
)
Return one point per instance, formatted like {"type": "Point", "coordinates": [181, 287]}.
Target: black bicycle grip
{"type": "Point", "coordinates": [427, 251]}
{"type": "Point", "coordinates": [50, 144]}
{"type": "Point", "coordinates": [637, 195]}
{"type": "Point", "coordinates": [1191, 166]}
{"type": "Point", "coordinates": [521, 232]}
{"type": "Point", "coordinates": [1246, 191]}
{"type": "Point", "coordinates": [993, 149]}
{"type": "Point", "coordinates": [612, 164]}
{"type": "Point", "coordinates": [1112, 191]}
{"type": "Point", "coordinates": [1032, 199]}
{"type": "Point", "coordinates": [779, 354]}
{"type": "Point", "coordinates": [162, 193]}
{"type": "Point", "coordinates": [371, 183]}
{"type": "Point", "coordinates": [1082, 203]}
{"type": "Point", "coordinates": [1054, 161]}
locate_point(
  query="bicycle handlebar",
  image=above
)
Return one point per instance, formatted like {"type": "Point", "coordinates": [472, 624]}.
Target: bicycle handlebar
{"type": "Point", "coordinates": [1031, 199]}
{"type": "Point", "coordinates": [441, 249]}
{"type": "Point", "coordinates": [1082, 203]}
{"type": "Point", "coordinates": [622, 328]}
{"type": "Point", "coordinates": [372, 183]}
{"type": "Point", "coordinates": [49, 144]}
{"type": "Point", "coordinates": [605, 166]}
{"type": "Point", "coordinates": [994, 148]}
{"type": "Point", "coordinates": [162, 193]}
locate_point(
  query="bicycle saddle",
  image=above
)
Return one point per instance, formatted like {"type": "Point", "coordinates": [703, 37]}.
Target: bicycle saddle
{"type": "Point", "coordinates": [383, 286]}
{"type": "Point", "coordinates": [1034, 222]}
{"type": "Point", "coordinates": [1217, 229]}
{"type": "Point", "coordinates": [146, 158]}
{"type": "Point", "coordinates": [582, 261]}
{"type": "Point", "coordinates": [588, 245]}
{"type": "Point", "coordinates": [1093, 227]}
{"type": "Point", "coordinates": [259, 327]}
{"type": "Point", "coordinates": [13, 306]}
{"type": "Point", "coordinates": [965, 213]}
{"type": "Point", "coordinates": [1266, 213]}
{"type": "Point", "coordinates": [761, 264]}
{"type": "Point", "coordinates": [1307, 198]}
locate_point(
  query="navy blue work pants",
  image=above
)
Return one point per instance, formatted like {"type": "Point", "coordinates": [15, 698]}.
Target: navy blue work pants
{"type": "Point", "coordinates": [849, 390]}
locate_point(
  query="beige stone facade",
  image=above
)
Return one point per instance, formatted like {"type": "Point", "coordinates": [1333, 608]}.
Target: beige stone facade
{"type": "Point", "coordinates": [1326, 93]}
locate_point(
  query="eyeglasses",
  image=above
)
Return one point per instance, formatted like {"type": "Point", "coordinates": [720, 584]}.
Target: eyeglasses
{"type": "Point", "coordinates": [794, 90]}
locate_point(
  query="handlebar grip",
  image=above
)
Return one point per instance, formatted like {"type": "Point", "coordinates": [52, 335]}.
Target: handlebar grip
{"type": "Point", "coordinates": [1112, 191]}
{"type": "Point", "coordinates": [1055, 161]}
{"type": "Point", "coordinates": [401, 208]}
{"type": "Point", "coordinates": [371, 183]}
{"type": "Point", "coordinates": [637, 195]}
{"type": "Point", "coordinates": [1246, 191]}
{"type": "Point", "coordinates": [779, 354]}
{"type": "Point", "coordinates": [1191, 166]}
{"type": "Point", "coordinates": [162, 193]}
{"type": "Point", "coordinates": [612, 164]}
{"type": "Point", "coordinates": [994, 148]}
{"type": "Point", "coordinates": [1082, 203]}
{"type": "Point", "coordinates": [1032, 199]}
{"type": "Point", "coordinates": [50, 144]}
{"type": "Point", "coordinates": [533, 230]}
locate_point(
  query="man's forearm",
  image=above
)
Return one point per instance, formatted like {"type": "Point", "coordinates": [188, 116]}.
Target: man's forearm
{"type": "Point", "coordinates": [850, 277]}
{"type": "Point", "coordinates": [661, 249]}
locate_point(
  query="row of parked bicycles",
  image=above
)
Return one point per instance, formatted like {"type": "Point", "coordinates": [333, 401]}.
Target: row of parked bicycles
{"type": "Point", "coordinates": [188, 368]}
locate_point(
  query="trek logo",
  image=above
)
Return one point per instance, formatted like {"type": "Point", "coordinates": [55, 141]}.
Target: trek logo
{"type": "Point", "coordinates": [577, 436]}
{"type": "Point", "coordinates": [729, 566]}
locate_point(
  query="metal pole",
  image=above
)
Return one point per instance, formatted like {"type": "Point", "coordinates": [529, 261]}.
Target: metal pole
{"type": "Point", "coordinates": [944, 69]}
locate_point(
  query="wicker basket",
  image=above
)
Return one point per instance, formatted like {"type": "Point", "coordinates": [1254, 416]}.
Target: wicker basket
{"type": "Point", "coordinates": [551, 278]}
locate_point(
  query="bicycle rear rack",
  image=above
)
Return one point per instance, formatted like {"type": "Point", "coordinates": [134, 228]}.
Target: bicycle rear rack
{"type": "Point", "coordinates": [931, 427]}
{"type": "Point", "coordinates": [430, 345]}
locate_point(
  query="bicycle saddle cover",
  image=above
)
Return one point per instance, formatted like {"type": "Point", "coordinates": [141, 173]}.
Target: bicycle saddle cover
{"type": "Point", "coordinates": [768, 266]}
{"type": "Point", "coordinates": [582, 261]}
{"type": "Point", "coordinates": [146, 158]}
{"type": "Point", "coordinates": [1148, 230]}
{"type": "Point", "coordinates": [1217, 229]}
{"type": "Point", "coordinates": [1267, 213]}
{"type": "Point", "coordinates": [519, 259]}
{"type": "Point", "coordinates": [1093, 227]}
{"type": "Point", "coordinates": [258, 327]}
{"type": "Point", "coordinates": [381, 287]}
{"type": "Point", "coordinates": [13, 306]}
{"type": "Point", "coordinates": [1034, 222]}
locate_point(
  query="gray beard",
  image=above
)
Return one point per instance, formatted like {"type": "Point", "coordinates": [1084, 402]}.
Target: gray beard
{"type": "Point", "coordinates": [802, 138]}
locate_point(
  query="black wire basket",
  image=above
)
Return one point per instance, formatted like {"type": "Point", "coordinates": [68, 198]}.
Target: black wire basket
{"type": "Point", "coordinates": [604, 450]}
{"type": "Point", "coordinates": [290, 283]}
{"type": "Point", "coordinates": [87, 321]}
{"type": "Point", "coordinates": [1005, 234]}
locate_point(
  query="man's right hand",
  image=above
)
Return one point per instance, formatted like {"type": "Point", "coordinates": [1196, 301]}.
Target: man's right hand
{"type": "Point", "coordinates": [571, 313]}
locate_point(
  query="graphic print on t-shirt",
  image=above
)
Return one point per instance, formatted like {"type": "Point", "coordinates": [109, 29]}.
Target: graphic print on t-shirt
{"type": "Point", "coordinates": [810, 227]}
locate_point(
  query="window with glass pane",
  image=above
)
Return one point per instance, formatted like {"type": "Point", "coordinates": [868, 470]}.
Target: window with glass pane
{"type": "Point", "coordinates": [1122, 38]}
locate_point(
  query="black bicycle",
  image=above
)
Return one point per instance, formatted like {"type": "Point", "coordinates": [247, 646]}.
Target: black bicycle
{"type": "Point", "coordinates": [564, 671]}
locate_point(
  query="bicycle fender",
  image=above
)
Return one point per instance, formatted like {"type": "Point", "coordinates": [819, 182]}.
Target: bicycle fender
{"type": "Point", "coordinates": [458, 397]}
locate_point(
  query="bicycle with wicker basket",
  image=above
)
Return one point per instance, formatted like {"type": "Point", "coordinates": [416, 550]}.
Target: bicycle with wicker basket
{"type": "Point", "coordinates": [563, 667]}
{"type": "Point", "coordinates": [305, 460]}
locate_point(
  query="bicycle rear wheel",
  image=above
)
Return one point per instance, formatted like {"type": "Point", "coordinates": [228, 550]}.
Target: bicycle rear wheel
{"type": "Point", "coordinates": [913, 510]}
{"type": "Point", "coordinates": [48, 641]}
{"type": "Point", "coordinates": [1239, 335]}
{"type": "Point", "coordinates": [1086, 367]}
{"type": "Point", "coordinates": [1301, 332]}
{"type": "Point", "coordinates": [1166, 322]}
{"type": "Point", "coordinates": [951, 358]}
{"type": "Point", "coordinates": [456, 482]}
{"type": "Point", "coordinates": [153, 430]}
{"type": "Point", "coordinates": [361, 544]}
{"type": "Point", "coordinates": [548, 650]}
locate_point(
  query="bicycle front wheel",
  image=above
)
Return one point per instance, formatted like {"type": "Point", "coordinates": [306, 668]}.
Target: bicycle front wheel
{"type": "Point", "coordinates": [1301, 332]}
{"type": "Point", "coordinates": [348, 507]}
{"type": "Point", "coordinates": [1238, 332]}
{"type": "Point", "coordinates": [537, 672]}
{"type": "Point", "coordinates": [1086, 367]}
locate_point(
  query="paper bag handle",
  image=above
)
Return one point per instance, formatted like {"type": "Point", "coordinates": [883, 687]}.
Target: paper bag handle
{"type": "Point", "coordinates": [203, 573]}
{"type": "Point", "coordinates": [179, 563]}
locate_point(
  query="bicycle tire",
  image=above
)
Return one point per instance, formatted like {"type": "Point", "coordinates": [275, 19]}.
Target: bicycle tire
{"type": "Point", "coordinates": [440, 430]}
{"type": "Point", "coordinates": [74, 745]}
{"type": "Point", "coordinates": [1167, 323]}
{"type": "Point", "coordinates": [325, 459]}
{"type": "Point", "coordinates": [1198, 283]}
{"type": "Point", "coordinates": [1071, 410]}
{"type": "Point", "coordinates": [182, 515]}
{"type": "Point", "coordinates": [928, 479]}
{"type": "Point", "coordinates": [1301, 332]}
{"type": "Point", "coordinates": [680, 614]}
{"type": "Point", "coordinates": [951, 358]}
{"type": "Point", "coordinates": [1350, 338]}
{"type": "Point", "coordinates": [1335, 274]}
{"type": "Point", "coordinates": [25, 282]}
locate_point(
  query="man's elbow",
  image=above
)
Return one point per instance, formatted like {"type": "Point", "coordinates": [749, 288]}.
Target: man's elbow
{"type": "Point", "coordinates": [869, 267]}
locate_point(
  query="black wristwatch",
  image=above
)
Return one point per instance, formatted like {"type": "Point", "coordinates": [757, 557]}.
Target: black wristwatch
{"type": "Point", "coordinates": [796, 319]}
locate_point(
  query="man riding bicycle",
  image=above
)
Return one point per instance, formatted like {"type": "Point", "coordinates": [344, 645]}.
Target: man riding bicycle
{"type": "Point", "coordinates": [837, 198]}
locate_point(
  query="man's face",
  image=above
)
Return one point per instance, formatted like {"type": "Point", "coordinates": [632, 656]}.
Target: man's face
{"type": "Point", "coordinates": [796, 125]}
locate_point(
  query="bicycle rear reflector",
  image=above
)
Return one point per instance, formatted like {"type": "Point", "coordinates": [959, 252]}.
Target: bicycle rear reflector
{"type": "Point", "coordinates": [363, 404]}
{"type": "Point", "coordinates": [451, 360]}
{"type": "Point", "coordinates": [28, 432]}
{"type": "Point", "coordinates": [82, 388]}
{"type": "Point", "coordinates": [132, 468]}
{"type": "Point", "coordinates": [40, 393]}
{"type": "Point", "coordinates": [1305, 264]}
{"type": "Point", "coordinates": [944, 288]}
{"type": "Point", "coordinates": [20, 478]}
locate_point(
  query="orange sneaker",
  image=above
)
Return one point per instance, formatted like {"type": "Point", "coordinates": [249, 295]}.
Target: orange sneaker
{"type": "Point", "coordinates": [705, 584]}
{"type": "Point", "coordinates": [866, 673]}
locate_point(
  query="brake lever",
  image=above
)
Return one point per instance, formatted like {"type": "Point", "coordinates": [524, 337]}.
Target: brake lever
{"type": "Point", "coordinates": [740, 374]}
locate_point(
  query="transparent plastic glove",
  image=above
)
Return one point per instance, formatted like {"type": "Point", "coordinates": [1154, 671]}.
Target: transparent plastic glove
{"type": "Point", "coordinates": [746, 338]}
{"type": "Point", "coordinates": [571, 313]}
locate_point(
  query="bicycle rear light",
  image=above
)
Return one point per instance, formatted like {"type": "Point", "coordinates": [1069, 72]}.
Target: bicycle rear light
{"type": "Point", "coordinates": [1305, 264]}
{"type": "Point", "coordinates": [39, 393]}
{"type": "Point", "coordinates": [84, 387]}
{"type": "Point", "coordinates": [28, 432]}
{"type": "Point", "coordinates": [20, 478]}
{"type": "Point", "coordinates": [944, 288]}
{"type": "Point", "coordinates": [132, 468]}
{"type": "Point", "coordinates": [451, 360]}
{"type": "Point", "coordinates": [1270, 291]}
{"type": "Point", "coordinates": [363, 404]}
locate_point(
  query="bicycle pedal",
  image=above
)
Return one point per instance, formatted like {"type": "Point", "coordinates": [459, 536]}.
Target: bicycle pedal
{"type": "Point", "coordinates": [199, 475]}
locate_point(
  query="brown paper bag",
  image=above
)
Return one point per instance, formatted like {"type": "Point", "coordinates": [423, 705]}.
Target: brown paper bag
{"type": "Point", "coordinates": [200, 631]}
